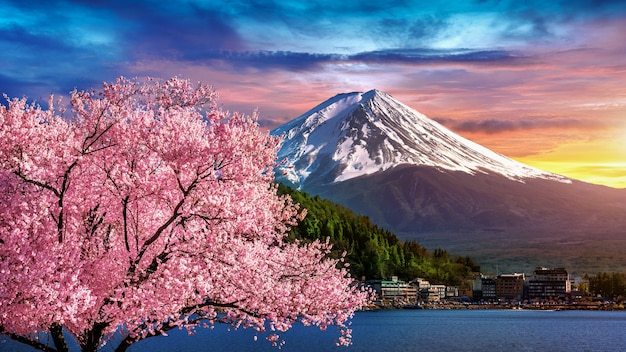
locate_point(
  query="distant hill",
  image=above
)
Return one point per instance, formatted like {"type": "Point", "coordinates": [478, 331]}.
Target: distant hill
{"type": "Point", "coordinates": [421, 181]}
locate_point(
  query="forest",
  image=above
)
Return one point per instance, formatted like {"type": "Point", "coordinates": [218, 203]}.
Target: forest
{"type": "Point", "coordinates": [373, 252]}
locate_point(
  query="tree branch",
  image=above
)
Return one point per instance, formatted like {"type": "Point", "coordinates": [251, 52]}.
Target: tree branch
{"type": "Point", "coordinates": [95, 136]}
{"type": "Point", "coordinates": [27, 341]}
{"type": "Point", "coordinates": [159, 231]}
{"type": "Point", "coordinates": [128, 340]}
{"type": "Point", "coordinates": [59, 193]}
{"type": "Point", "coordinates": [64, 187]}
{"type": "Point", "coordinates": [125, 222]}
{"type": "Point", "coordinates": [24, 178]}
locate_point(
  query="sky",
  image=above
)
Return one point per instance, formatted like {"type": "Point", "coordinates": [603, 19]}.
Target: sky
{"type": "Point", "coordinates": [543, 82]}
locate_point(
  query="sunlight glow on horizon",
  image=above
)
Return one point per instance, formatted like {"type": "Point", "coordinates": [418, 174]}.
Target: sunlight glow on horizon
{"type": "Point", "coordinates": [611, 175]}
{"type": "Point", "coordinates": [597, 162]}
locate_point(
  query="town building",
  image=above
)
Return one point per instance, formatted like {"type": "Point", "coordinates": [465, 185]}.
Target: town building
{"type": "Point", "coordinates": [394, 290]}
{"type": "Point", "coordinates": [549, 283]}
{"type": "Point", "coordinates": [430, 294]}
{"type": "Point", "coordinates": [483, 288]}
{"type": "Point", "coordinates": [441, 291]}
{"type": "Point", "coordinates": [452, 291]}
{"type": "Point", "coordinates": [510, 286]}
{"type": "Point", "coordinates": [420, 283]}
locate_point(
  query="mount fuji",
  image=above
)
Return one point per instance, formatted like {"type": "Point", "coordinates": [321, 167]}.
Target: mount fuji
{"type": "Point", "coordinates": [413, 176]}
{"type": "Point", "coordinates": [356, 134]}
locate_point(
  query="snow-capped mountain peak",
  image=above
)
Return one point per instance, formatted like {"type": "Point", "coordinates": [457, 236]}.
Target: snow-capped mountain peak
{"type": "Point", "coordinates": [355, 134]}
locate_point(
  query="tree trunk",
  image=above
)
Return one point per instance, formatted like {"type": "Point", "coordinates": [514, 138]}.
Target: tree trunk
{"type": "Point", "coordinates": [93, 337]}
{"type": "Point", "coordinates": [124, 345]}
{"type": "Point", "coordinates": [56, 331]}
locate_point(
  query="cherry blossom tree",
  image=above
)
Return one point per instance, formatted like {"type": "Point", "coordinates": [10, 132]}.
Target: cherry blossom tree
{"type": "Point", "coordinates": [144, 208]}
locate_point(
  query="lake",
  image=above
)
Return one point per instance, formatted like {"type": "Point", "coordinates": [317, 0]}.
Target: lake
{"type": "Point", "coordinates": [423, 330]}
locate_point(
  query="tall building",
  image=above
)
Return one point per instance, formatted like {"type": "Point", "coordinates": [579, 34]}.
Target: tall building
{"type": "Point", "coordinates": [549, 283]}
{"type": "Point", "coordinates": [484, 288]}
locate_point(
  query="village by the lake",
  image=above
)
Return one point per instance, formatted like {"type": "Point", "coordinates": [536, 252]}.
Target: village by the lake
{"type": "Point", "coordinates": [544, 289]}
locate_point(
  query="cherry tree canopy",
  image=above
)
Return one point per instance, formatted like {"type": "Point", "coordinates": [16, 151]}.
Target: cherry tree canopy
{"type": "Point", "coordinates": [144, 208]}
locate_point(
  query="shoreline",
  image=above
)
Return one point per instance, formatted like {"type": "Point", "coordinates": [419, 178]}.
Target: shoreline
{"type": "Point", "coordinates": [600, 306]}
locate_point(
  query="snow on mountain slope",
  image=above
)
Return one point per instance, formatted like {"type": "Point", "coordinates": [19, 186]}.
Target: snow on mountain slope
{"type": "Point", "coordinates": [357, 134]}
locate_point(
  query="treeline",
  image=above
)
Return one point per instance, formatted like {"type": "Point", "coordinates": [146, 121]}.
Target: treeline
{"type": "Point", "coordinates": [375, 253]}
{"type": "Point", "coordinates": [610, 285]}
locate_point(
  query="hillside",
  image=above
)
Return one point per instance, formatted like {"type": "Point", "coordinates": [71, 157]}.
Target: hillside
{"type": "Point", "coordinates": [375, 253]}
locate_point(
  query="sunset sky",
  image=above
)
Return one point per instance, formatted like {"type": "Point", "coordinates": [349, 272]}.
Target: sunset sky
{"type": "Point", "coordinates": [543, 82]}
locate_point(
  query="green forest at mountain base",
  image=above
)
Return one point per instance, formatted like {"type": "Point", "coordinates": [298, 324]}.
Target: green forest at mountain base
{"type": "Point", "coordinates": [373, 252]}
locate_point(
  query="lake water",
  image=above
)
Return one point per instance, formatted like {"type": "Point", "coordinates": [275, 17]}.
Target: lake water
{"type": "Point", "coordinates": [423, 330]}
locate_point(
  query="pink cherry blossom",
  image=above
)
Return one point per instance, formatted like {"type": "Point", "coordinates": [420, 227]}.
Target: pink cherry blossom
{"type": "Point", "coordinates": [144, 208]}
